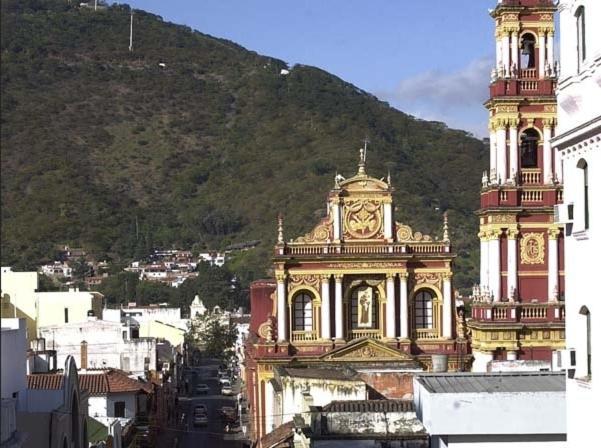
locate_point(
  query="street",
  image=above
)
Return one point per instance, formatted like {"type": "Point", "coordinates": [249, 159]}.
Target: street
{"type": "Point", "coordinates": [213, 434]}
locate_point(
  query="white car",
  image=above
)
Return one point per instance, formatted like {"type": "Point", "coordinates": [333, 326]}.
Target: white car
{"type": "Point", "coordinates": [224, 380]}
{"type": "Point", "coordinates": [201, 420]}
{"type": "Point", "coordinates": [226, 389]}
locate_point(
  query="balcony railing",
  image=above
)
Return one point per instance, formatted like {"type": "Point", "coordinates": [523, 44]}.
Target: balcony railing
{"type": "Point", "coordinates": [425, 333]}
{"type": "Point", "coordinates": [373, 334]}
{"type": "Point", "coordinates": [530, 176]}
{"type": "Point", "coordinates": [421, 247]}
{"type": "Point", "coordinates": [304, 336]}
{"type": "Point", "coordinates": [513, 312]}
{"type": "Point", "coordinates": [528, 73]}
{"type": "Point", "coordinates": [531, 195]}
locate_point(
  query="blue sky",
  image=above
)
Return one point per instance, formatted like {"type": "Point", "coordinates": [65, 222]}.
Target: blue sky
{"type": "Point", "coordinates": [429, 58]}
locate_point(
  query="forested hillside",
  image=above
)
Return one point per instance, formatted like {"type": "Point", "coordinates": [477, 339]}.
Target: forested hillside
{"type": "Point", "coordinates": [195, 142]}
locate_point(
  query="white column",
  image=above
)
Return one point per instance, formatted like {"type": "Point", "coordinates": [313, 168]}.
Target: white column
{"type": "Point", "coordinates": [325, 307]}
{"type": "Point", "coordinates": [547, 153]}
{"type": "Point", "coordinates": [505, 46]}
{"type": "Point", "coordinates": [493, 155]}
{"type": "Point", "coordinates": [336, 219]}
{"type": "Point", "coordinates": [282, 321]}
{"type": "Point", "coordinates": [499, 54]}
{"type": "Point", "coordinates": [512, 263]}
{"type": "Point", "coordinates": [388, 220]}
{"type": "Point", "coordinates": [483, 259]}
{"type": "Point", "coordinates": [502, 154]}
{"type": "Point", "coordinates": [550, 50]}
{"type": "Point", "coordinates": [514, 51]}
{"type": "Point", "coordinates": [447, 308]}
{"type": "Point", "coordinates": [513, 151]}
{"type": "Point", "coordinates": [404, 311]}
{"type": "Point", "coordinates": [553, 275]}
{"type": "Point", "coordinates": [338, 307]}
{"type": "Point", "coordinates": [558, 166]}
{"type": "Point", "coordinates": [541, 55]}
{"type": "Point", "coordinates": [390, 307]}
{"type": "Point", "coordinates": [494, 268]}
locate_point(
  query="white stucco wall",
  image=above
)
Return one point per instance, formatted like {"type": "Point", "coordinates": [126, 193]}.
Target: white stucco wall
{"type": "Point", "coordinates": [51, 307]}
{"type": "Point", "coordinates": [322, 391]}
{"type": "Point", "coordinates": [105, 345]}
{"type": "Point", "coordinates": [13, 347]}
{"type": "Point", "coordinates": [495, 441]}
{"type": "Point", "coordinates": [491, 413]}
{"type": "Point", "coordinates": [579, 138]}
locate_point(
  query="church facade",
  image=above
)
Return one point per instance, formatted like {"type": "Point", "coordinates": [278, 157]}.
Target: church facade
{"type": "Point", "coordinates": [359, 290]}
{"type": "Point", "coordinates": [518, 311]}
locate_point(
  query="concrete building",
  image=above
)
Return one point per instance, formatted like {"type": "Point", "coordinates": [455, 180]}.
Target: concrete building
{"type": "Point", "coordinates": [13, 341]}
{"type": "Point", "coordinates": [56, 410]}
{"type": "Point", "coordinates": [101, 344]}
{"type": "Point", "coordinates": [492, 410]}
{"type": "Point", "coordinates": [21, 299]}
{"type": "Point", "coordinates": [578, 143]}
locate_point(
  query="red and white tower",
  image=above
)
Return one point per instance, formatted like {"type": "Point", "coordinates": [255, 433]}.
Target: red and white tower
{"type": "Point", "coordinates": [518, 310]}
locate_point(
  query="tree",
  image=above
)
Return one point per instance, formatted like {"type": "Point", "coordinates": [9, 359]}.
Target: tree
{"type": "Point", "coordinates": [209, 333]}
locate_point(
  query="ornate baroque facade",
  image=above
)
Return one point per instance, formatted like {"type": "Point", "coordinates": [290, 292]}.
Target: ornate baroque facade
{"type": "Point", "coordinates": [358, 290]}
{"type": "Point", "coordinates": [518, 308]}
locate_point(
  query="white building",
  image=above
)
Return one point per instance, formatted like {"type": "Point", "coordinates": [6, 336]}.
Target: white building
{"type": "Point", "coordinates": [101, 344]}
{"type": "Point", "coordinates": [497, 410]}
{"type": "Point", "coordinates": [20, 298]}
{"type": "Point", "coordinates": [293, 390]}
{"type": "Point", "coordinates": [197, 308]}
{"type": "Point", "coordinates": [578, 143]}
{"type": "Point", "coordinates": [14, 382]}
{"type": "Point", "coordinates": [213, 258]}
{"type": "Point", "coordinates": [57, 269]}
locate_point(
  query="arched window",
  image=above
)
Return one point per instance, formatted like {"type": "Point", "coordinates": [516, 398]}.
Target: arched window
{"type": "Point", "coordinates": [424, 309]}
{"type": "Point", "coordinates": [528, 54]}
{"type": "Point", "coordinates": [584, 195]}
{"type": "Point", "coordinates": [303, 312]}
{"type": "Point", "coordinates": [529, 149]}
{"type": "Point", "coordinates": [580, 36]}
{"type": "Point", "coordinates": [364, 308]}
{"type": "Point", "coordinates": [585, 312]}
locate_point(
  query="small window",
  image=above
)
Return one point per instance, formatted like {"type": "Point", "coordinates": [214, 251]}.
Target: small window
{"type": "Point", "coordinates": [584, 194]}
{"type": "Point", "coordinates": [580, 36]}
{"type": "Point", "coordinates": [529, 149]}
{"type": "Point", "coordinates": [120, 409]}
{"type": "Point", "coordinates": [66, 315]}
{"type": "Point", "coordinates": [303, 312]}
{"type": "Point", "coordinates": [585, 312]}
{"type": "Point", "coordinates": [423, 309]}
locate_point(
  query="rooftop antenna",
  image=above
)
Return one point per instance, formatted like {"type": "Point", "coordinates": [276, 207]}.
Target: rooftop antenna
{"type": "Point", "coordinates": [131, 32]}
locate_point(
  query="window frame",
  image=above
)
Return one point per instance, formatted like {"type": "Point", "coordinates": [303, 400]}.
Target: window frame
{"type": "Point", "coordinates": [302, 312]}
{"type": "Point", "coordinates": [120, 403]}
{"type": "Point", "coordinates": [580, 16]}
{"type": "Point", "coordinates": [423, 316]}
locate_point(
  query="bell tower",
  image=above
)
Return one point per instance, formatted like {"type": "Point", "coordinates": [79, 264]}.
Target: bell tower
{"type": "Point", "coordinates": [518, 310]}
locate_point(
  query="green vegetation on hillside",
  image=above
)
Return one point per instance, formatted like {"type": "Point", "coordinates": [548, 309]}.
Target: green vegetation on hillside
{"type": "Point", "coordinates": [106, 149]}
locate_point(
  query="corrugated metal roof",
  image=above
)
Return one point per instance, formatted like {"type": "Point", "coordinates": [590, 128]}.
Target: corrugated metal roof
{"type": "Point", "coordinates": [455, 383]}
{"type": "Point", "coordinates": [370, 406]}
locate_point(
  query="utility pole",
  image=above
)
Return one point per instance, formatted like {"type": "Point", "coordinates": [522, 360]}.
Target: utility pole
{"type": "Point", "coordinates": [131, 32]}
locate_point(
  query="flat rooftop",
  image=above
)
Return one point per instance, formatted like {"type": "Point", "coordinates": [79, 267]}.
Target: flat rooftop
{"type": "Point", "coordinates": [457, 383]}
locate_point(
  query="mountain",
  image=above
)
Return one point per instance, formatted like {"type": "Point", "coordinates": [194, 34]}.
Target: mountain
{"type": "Point", "coordinates": [194, 141]}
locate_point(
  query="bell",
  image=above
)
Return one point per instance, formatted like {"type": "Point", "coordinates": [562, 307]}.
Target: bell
{"type": "Point", "coordinates": [527, 48]}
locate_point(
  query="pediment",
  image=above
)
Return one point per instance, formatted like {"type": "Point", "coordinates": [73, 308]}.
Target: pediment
{"type": "Point", "coordinates": [366, 349]}
{"type": "Point", "coordinates": [363, 183]}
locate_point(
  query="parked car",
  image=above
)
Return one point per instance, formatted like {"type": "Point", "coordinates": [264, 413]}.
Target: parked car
{"type": "Point", "coordinates": [225, 380]}
{"type": "Point", "coordinates": [202, 389]}
{"type": "Point", "coordinates": [228, 414]}
{"type": "Point", "coordinates": [201, 420]}
{"type": "Point", "coordinates": [200, 409]}
{"type": "Point", "coordinates": [226, 389]}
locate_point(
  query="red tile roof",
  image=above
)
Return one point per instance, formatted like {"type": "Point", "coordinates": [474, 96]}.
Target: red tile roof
{"type": "Point", "coordinates": [108, 381]}
{"type": "Point", "coordinates": [278, 437]}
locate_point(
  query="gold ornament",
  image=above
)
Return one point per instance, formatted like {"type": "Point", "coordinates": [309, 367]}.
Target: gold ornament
{"type": "Point", "coordinates": [532, 248]}
{"type": "Point", "coordinates": [363, 219]}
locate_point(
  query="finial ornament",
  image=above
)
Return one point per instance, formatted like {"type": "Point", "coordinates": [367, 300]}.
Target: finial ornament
{"type": "Point", "coordinates": [280, 228]}
{"type": "Point", "coordinates": [363, 157]}
{"type": "Point", "coordinates": [445, 228]}
{"type": "Point", "coordinates": [388, 179]}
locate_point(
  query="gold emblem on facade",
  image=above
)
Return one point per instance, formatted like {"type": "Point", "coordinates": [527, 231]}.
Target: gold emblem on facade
{"type": "Point", "coordinates": [363, 219]}
{"type": "Point", "coordinates": [532, 248]}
